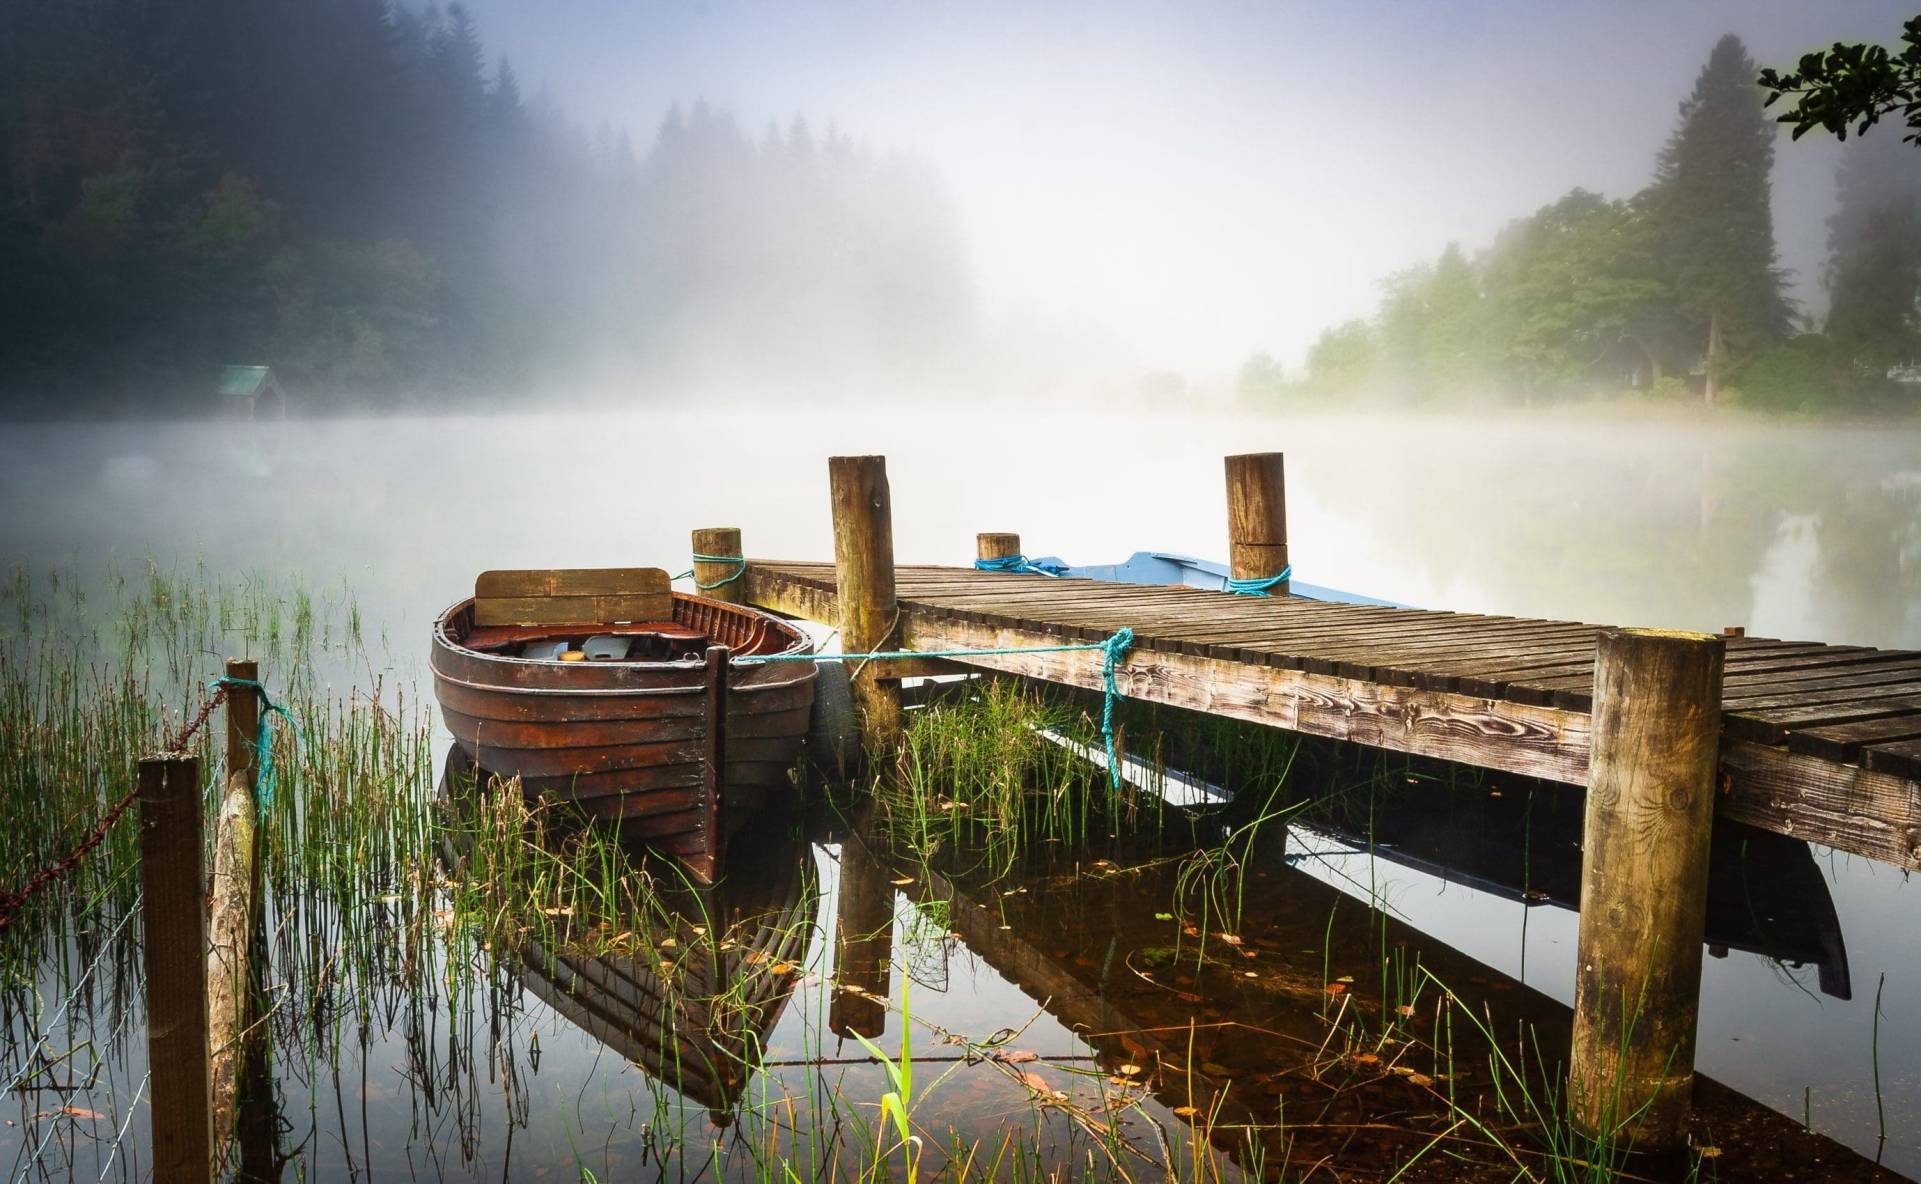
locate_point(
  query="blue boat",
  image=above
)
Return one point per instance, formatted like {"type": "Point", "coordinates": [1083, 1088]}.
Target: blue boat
{"type": "Point", "coordinates": [1169, 567]}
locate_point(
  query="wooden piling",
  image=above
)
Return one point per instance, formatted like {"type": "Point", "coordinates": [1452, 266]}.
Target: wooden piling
{"type": "Point", "coordinates": [1644, 877]}
{"type": "Point", "coordinates": [174, 950]}
{"type": "Point", "coordinates": [1257, 518]}
{"type": "Point", "coordinates": [864, 578]}
{"type": "Point", "coordinates": [235, 897]}
{"type": "Point", "coordinates": [996, 545]}
{"type": "Point", "coordinates": [719, 579]}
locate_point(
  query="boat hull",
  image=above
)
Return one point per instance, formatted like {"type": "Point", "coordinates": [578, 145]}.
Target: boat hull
{"type": "Point", "coordinates": [631, 741]}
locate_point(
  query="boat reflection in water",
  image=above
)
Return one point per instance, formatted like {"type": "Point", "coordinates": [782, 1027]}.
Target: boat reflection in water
{"type": "Point", "coordinates": [691, 990]}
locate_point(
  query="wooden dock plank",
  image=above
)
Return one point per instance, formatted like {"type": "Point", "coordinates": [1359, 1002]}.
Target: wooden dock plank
{"type": "Point", "coordinates": [1819, 742]}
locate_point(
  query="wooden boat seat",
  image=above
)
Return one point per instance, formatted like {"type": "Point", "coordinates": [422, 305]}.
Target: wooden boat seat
{"type": "Point", "coordinates": [488, 638]}
{"type": "Point", "coordinates": [573, 596]}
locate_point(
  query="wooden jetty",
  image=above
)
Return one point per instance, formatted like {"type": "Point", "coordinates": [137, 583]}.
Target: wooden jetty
{"type": "Point", "coordinates": [1666, 730]}
{"type": "Point", "coordinates": [1819, 742]}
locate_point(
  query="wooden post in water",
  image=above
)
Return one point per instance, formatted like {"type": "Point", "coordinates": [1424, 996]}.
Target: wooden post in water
{"type": "Point", "coordinates": [235, 904]}
{"type": "Point", "coordinates": [174, 950]}
{"type": "Point", "coordinates": [1257, 518]}
{"type": "Point", "coordinates": [864, 574]}
{"type": "Point", "coordinates": [720, 580]}
{"type": "Point", "coordinates": [1644, 881]}
{"type": "Point", "coordinates": [996, 545]}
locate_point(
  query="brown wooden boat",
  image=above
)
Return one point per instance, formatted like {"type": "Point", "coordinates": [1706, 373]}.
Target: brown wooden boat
{"type": "Point", "coordinates": [603, 687]}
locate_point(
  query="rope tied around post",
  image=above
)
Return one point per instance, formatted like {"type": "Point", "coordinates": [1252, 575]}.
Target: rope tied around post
{"type": "Point", "coordinates": [1260, 587]}
{"type": "Point", "coordinates": [1015, 563]}
{"type": "Point", "coordinates": [740, 569]}
{"type": "Point", "coordinates": [1113, 651]}
{"type": "Point", "coordinates": [263, 781]}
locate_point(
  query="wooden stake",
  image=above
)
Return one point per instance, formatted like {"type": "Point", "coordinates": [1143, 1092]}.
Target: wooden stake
{"type": "Point", "coordinates": [1257, 518]}
{"type": "Point", "coordinates": [863, 943]}
{"type": "Point", "coordinates": [174, 949]}
{"type": "Point", "coordinates": [235, 897]}
{"type": "Point", "coordinates": [995, 545]}
{"type": "Point", "coordinates": [719, 540]}
{"type": "Point", "coordinates": [864, 573]}
{"type": "Point", "coordinates": [1644, 882]}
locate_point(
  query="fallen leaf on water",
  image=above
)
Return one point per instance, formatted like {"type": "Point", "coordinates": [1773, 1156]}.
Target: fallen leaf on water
{"type": "Point", "coordinates": [668, 943]}
{"type": "Point", "coordinates": [1187, 997]}
{"type": "Point", "coordinates": [79, 1112]}
{"type": "Point", "coordinates": [1706, 1152]}
{"type": "Point", "coordinates": [1419, 1079]}
{"type": "Point", "coordinates": [1185, 1111]}
{"type": "Point", "coordinates": [902, 882]}
{"type": "Point", "coordinates": [756, 957]}
{"type": "Point", "coordinates": [1036, 1082]}
{"type": "Point", "coordinates": [562, 911]}
{"type": "Point", "coordinates": [1129, 1070]}
{"type": "Point", "coordinates": [1405, 1009]}
{"type": "Point", "coordinates": [699, 930]}
{"type": "Point", "coordinates": [782, 968]}
{"type": "Point", "coordinates": [1346, 978]}
{"type": "Point", "coordinates": [1249, 974]}
{"type": "Point", "coordinates": [1336, 988]}
{"type": "Point", "coordinates": [1403, 1070]}
{"type": "Point", "coordinates": [1016, 1056]}
{"type": "Point", "coordinates": [1232, 939]}
{"type": "Point", "coordinates": [1367, 1058]}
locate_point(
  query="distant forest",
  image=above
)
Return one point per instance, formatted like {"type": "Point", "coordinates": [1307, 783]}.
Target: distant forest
{"type": "Point", "coordinates": [1673, 292]}
{"type": "Point", "coordinates": [356, 193]}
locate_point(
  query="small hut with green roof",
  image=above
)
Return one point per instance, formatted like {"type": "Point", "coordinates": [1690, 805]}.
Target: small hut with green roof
{"type": "Point", "coordinates": [251, 392]}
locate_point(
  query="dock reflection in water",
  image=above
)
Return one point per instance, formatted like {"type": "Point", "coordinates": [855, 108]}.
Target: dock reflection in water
{"type": "Point", "coordinates": [1307, 1029]}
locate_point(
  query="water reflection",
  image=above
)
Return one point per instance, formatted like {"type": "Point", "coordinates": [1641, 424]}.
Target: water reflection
{"type": "Point", "coordinates": [1766, 893]}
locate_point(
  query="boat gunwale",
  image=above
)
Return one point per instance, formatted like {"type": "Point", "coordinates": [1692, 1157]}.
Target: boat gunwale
{"type": "Point", "coordinates": [444, 638]}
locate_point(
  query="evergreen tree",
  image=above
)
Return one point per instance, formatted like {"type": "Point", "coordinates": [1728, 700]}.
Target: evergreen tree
{"type": "Point", "coordinates": [1874, 255]}
{"type": "Point", "coordinates": [1712, 223]}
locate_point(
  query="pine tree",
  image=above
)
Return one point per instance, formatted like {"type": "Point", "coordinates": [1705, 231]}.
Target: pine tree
{"type": "Point", "coordinates": [1874, 254]}
{"type": "Point", "coordinates": [1709, 208]}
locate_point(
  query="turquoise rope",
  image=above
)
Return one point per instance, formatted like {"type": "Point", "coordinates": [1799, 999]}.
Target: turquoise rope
{"type": "Point", "coordinates": [740, 570]}
{"type": "Point", "coordinates": [263, 780]}
{"type": "Point", "coordinates": [1113, 651]}
{"type": "Point", "coordinates": [1014, 563]}
{"type": "Point", "coordinates": [1259, 587]}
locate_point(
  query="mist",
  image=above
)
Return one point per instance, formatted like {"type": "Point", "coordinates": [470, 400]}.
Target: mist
{"type": "Point", "coordinates": [492, 204]}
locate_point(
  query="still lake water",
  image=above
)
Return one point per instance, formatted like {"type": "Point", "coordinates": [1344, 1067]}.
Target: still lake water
{"type": "Point", "coordinates": [1790, 530]}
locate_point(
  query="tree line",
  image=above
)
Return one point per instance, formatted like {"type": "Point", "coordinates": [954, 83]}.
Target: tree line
{"type": "Point", "coordinates": [1674, 292]}
{"type": "Point", "coordinates": [357, 193]}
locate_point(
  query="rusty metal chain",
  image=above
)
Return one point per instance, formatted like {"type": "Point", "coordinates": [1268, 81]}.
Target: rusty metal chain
{"type": "Point", "coordinates": [214, 700]}
{"type": "Point", "coordinates": [11, 902]}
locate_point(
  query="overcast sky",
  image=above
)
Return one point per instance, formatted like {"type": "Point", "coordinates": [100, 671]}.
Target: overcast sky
{"type": "Point", "coordinates": [1204, 179]}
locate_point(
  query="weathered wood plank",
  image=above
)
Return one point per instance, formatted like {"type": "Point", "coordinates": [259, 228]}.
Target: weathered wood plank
{"type": "Point", "coordinates": [572, 610]}
{"type": "Point", "coordinates": [572, 581]}
{"type": "Point", "coordinates": [1844, 742]}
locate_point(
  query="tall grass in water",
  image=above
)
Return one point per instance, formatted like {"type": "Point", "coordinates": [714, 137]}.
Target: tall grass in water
{"type": "Point", "coordinates": [986, 775]}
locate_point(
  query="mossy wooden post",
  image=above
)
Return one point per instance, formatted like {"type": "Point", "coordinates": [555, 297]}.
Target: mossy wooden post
{"type": "Point", "coordinates": [1257, 518]}
{"type": "Point", "coordinates": [174, 950]}
{"type": "Point", "coordinates": [235, 904]}
{"type": "Point", "coordinates": [864, 575]}
{"type": "Point", "coordinates": [1644, 880]}
{"type": "Point", "coordinates": [716, 579]}
{"type": "Point", "coordinates": [996, 545]}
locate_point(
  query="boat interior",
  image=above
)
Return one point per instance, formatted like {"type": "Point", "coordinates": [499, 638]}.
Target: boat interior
{"type": "Point", "coordinates": [606, 615]}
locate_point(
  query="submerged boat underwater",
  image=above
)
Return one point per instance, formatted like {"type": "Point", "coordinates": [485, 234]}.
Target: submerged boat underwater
{"type": "Point", "coordinates": [604, 688]}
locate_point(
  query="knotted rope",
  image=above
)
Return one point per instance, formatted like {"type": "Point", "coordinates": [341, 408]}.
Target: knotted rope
{"type": "Point", "coordinates": [1259, 587]}
{"type": "Point", "coordinates": [740, 569]}
{"type": "Point", "coordinates": [1014, 563]}
{"type": "Point", "coordinates": [263, 780]}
